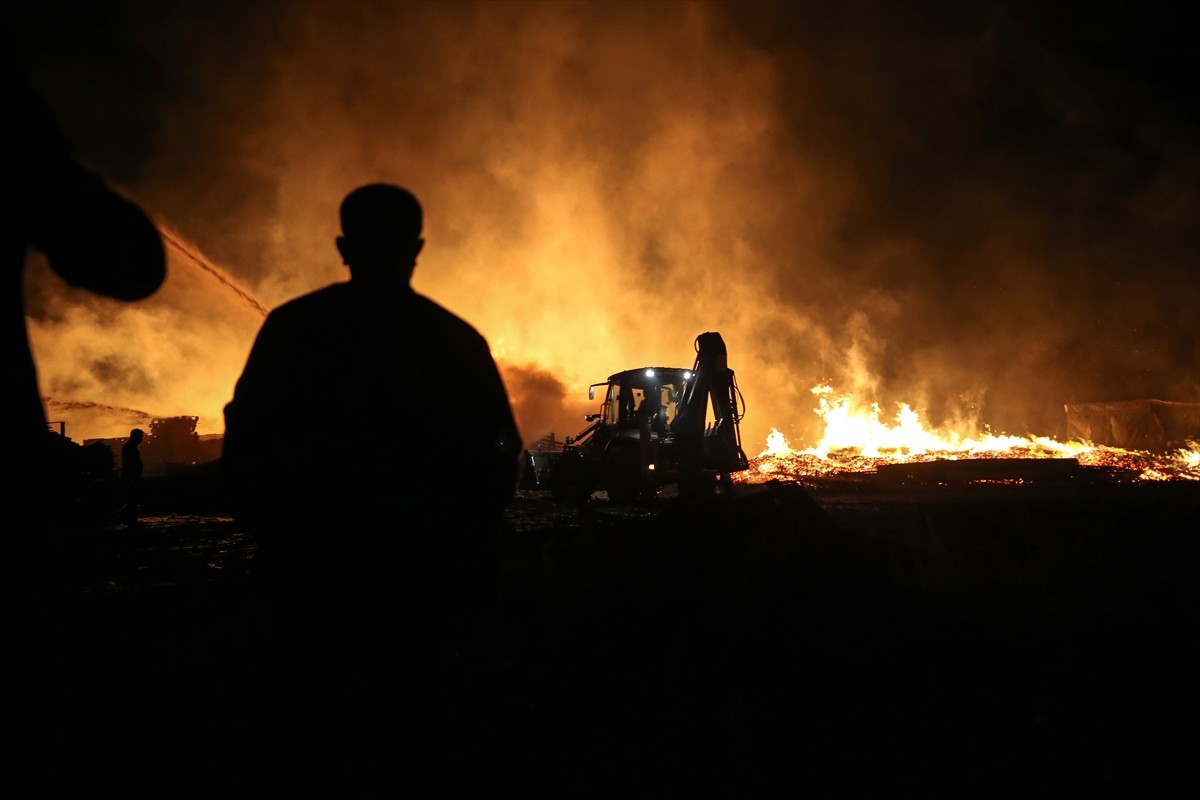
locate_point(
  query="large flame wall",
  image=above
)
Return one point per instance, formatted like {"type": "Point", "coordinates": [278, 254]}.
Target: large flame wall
{"type": "Point", "coordinates": [962, 207]}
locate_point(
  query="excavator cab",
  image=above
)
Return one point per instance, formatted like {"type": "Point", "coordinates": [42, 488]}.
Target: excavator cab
{"type": "Point", "coordinates": [652, 393]}
{"type": "Point", "coordinates": [651, 431]}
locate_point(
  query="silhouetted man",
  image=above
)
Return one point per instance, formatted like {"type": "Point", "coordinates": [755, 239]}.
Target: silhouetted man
{"type": "Point", "coordinates": [371, 447]}
{"type": "Point", "coordinates": [131, 475]}
{"type": "Point", "coordinates": [93, 239]}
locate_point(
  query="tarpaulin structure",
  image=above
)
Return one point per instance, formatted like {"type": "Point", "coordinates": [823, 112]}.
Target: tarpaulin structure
{"type": "Point", "coordinates": [1151, 425]}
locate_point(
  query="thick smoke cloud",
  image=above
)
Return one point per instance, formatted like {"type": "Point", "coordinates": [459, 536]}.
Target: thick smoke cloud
{"type": "Point", "coordinates": [985, 210]}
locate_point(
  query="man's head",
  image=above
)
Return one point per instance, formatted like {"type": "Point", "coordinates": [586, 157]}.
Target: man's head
{"type": "Point", "coordinates": [381, 231]}
{"type": "Point", "coordinates": [136, 435]}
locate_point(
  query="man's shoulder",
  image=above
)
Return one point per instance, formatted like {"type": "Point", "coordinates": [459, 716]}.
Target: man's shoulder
{"type": "Point", "coordinates": [432, 313]}
{"type": "Point", "coordinates": [331, 294]}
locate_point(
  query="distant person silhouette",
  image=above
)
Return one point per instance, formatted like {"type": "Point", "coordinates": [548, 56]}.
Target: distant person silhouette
{"type": "Point", "coordinates": [95, 239]}
{"type": "Point", "coordinates": [375, 493]}
{"type": "Point", "coordinates": [131, 475]}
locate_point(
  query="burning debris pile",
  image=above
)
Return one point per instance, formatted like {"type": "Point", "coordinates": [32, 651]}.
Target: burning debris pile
{"type": "Point", "coordinates": [1100, 462]}
{"type": "Point", "coordinates": [857, 445]}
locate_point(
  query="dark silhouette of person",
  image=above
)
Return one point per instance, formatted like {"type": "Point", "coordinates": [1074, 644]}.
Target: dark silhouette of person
{"type": "Point", "coordinates": [375, 495]}
{"type": "Point", "coordinates": [651, 410]}
{"type": "Point", "coordinates": [91, 236]}
{"type": "Point", "coordinates": [131, 475]}
{"type": "Point", "coordinates": [626, 413]}
{"type": "Point", "coordinates": [95, 239]}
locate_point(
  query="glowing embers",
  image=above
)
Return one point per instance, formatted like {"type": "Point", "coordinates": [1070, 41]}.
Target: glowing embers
{"type": "Point", "coordinates": [856, 440]}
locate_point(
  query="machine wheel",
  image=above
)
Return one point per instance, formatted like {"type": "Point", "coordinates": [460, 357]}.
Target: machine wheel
{"type": "Point", "coordinates": [572, 482]}
{"type": "Point", "coordinates": [622, 475]}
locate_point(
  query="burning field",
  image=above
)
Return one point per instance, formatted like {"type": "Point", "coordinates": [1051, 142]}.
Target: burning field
{"type": "Point", "coordinates": [857, 442]}
{"type": "Point", "coordinates": [899, 611]}
{"type": "Point", "coordinates": [952, 249]}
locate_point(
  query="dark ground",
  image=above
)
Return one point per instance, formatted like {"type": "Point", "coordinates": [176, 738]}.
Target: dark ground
{"type": "Point", "coordinates": [965, 641]}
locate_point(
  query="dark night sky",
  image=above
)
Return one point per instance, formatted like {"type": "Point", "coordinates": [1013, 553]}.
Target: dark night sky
{"type": "Point", "coordinates": [983, 209]}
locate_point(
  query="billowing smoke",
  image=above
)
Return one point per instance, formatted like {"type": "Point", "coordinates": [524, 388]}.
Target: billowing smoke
{"type": "Point", "coordinates": [544, 405]}
{"type": "Point", "coordinates": [980, 209]}
{"type": "Point", "coordinates": [175, 355]}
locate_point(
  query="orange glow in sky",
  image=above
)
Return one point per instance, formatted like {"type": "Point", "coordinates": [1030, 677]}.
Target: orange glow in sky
{"type": "Point", "coordinates": [879, 203]}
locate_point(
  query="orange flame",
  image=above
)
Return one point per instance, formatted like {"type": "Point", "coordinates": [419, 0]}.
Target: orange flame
{"type": "Point", "coordinates": [857, 439]}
